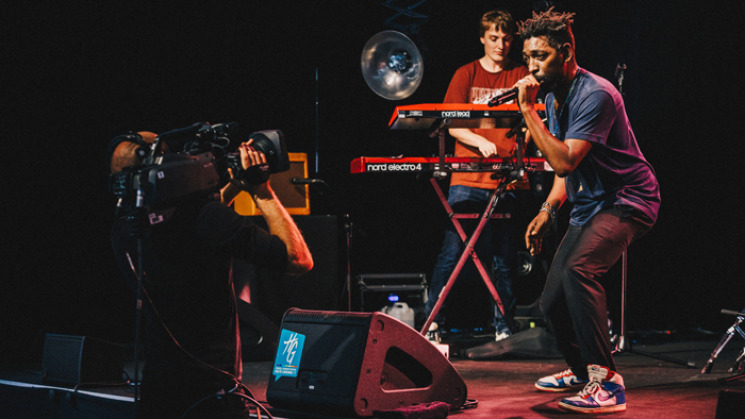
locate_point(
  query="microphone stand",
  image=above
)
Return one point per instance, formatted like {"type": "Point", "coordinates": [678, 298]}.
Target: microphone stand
{"type": "Point", "coordinates": [348, 229]}
{"type": "Point", "coordinates": [317, 136]}
{"type": "Point", "coordinates": [620, 343]}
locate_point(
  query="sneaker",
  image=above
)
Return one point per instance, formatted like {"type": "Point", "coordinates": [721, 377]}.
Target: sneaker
{"type": "Point", "coordinates": [604, 393]}
{"type": "Point", "coordinates": [561, 381]}
{"type": "Point", "coordinates": [501, 335]}
{"type": "Point", "coordinates": [433, 333]}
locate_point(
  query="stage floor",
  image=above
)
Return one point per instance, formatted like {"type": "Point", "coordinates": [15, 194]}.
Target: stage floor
{"type": "Point", "coordinates": [503, 388]}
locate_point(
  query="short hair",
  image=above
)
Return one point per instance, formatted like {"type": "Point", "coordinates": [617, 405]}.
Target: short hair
{"type": "Point", "coordinates": [555, 26]}
{"type": "Point", "coordinates": [500, 19]}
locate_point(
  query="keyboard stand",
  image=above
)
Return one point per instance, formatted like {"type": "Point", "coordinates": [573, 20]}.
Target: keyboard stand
{"type": "Point", "coordinates": [470, 242]}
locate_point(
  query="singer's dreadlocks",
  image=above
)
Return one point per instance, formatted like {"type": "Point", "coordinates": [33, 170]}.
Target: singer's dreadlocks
{"type": "Point", "coordinates": [555, 26]}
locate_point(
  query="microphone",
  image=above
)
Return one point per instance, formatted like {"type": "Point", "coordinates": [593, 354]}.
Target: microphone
{"type": "Point", "coordinates": [303, 181]}
{"type": "Point", "coordinates": [504, 97]}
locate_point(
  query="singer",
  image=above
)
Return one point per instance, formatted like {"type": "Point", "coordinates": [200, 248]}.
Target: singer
{"type": "Point", "coordinates": [615, 195]}
{"type": "Point", "coordinates": [478, 82]}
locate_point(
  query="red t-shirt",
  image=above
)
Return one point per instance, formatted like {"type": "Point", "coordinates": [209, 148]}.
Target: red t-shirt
{"type": "Point", "coordinates": [473, 84]}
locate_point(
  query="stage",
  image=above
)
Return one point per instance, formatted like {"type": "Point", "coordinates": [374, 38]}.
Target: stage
{"type": "Point", "coordinates": [81, 74]}
{"type": "Point", "coordinates": [501, 388]}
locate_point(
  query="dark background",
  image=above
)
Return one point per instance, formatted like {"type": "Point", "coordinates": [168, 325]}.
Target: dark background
{"type": "Point", "coordinates": [78, 73]}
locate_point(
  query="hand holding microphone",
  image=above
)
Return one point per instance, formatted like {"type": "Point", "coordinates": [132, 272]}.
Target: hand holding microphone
{"type": "Point", "coordinates": [525, 91]}
{"type": "Point", "coordinates": [531, 84]}
{"type": "Point", "coordinates": [514, 93]}
{"type": "Point", "coordinates": [505, 97]}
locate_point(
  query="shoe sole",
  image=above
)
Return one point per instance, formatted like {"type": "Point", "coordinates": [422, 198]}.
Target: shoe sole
{"type": "Point", "coordinates": [590, 410]}
{"type": "Point", "coordinates": [575, 387]}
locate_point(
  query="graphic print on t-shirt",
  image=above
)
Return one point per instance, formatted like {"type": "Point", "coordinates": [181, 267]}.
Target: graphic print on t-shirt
{"type": "Point", "coordinates": [482, 95]}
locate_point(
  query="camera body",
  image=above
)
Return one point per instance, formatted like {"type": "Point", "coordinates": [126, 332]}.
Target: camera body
{"type": "Point", "coordinates": [174, 178]}
{"type": "Point", "coordinates": [193, 167]}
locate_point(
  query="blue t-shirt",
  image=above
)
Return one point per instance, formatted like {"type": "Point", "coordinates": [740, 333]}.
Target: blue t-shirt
{"type": "Point", "coordinates": [614, 172]}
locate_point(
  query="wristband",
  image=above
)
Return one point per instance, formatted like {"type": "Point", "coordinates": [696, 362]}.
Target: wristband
{"type": "Point", "coordinates": [254, 175]}
{"type": "Point", "coordinates": [546, 207]}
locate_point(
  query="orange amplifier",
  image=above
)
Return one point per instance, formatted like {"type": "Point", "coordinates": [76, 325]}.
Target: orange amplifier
{"type": "Point", "coordinates": [295, 198]}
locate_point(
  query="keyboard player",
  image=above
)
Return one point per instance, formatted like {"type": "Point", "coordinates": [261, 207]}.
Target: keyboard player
{"type": "Point", "coordinates": [478, 82]}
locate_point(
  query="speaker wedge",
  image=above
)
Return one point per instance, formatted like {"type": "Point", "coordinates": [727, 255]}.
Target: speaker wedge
{"type": "Point", "coordinates": [357, 364]}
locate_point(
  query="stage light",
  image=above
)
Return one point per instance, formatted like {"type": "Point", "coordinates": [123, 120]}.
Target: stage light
{"type": "Point", "coordinates": [392, 65]}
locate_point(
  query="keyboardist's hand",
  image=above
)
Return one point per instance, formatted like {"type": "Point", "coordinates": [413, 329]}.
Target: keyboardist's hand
{"type": "Point", "coordinates": [487, 148]}
{"type": "Point", "coordinates": [469, 138]}
{"type": "Point", "coordinates": [535, 232]}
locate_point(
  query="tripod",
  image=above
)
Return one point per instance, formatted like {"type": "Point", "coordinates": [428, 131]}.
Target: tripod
{"type": "Point", "coordinates": [739, 365]}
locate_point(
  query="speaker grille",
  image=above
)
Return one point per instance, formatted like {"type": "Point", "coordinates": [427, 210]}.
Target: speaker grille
{"type": "Point", "coordinates": [328, 317]}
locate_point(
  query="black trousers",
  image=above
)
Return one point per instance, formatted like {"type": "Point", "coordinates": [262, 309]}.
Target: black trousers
{"type": "Point", "coordinates": [574, 298]}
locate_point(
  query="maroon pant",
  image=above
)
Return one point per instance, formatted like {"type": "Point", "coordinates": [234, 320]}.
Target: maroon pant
{"type": "Point", "coordinates": [574, 298]}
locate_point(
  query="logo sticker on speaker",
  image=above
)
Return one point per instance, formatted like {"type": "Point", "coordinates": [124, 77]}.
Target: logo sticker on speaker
{"type": "Point", "coordinates": [289, 351]}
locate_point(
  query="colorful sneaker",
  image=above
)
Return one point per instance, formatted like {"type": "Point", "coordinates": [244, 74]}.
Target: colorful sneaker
{"type": "Point", "coordinates": [561, 381]}
{"type": "Point", "coordinates": [604, 393]}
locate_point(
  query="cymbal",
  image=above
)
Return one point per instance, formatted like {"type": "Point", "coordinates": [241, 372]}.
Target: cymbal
{"type": "Point", "coordinates": [392, 65]}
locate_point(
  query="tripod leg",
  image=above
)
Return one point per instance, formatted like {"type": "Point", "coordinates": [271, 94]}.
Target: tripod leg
{"type": "Point", "coordinates": [715, 353]}
{"type": "Point", "coordinates": [739, 365]}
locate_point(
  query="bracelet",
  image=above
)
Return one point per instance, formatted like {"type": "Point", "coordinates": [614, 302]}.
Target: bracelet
{"type": "Point", "coordinates": [546, 207]}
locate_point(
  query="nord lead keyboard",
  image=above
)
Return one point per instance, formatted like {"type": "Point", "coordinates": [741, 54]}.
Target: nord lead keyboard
{"type": "Point", "coordinates": [452, 164]}
{"type": "Point", "coordinates": [459, 115]}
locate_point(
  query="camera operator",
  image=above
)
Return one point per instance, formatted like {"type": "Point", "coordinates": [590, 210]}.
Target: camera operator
{"type": "Point", "coordinates": [192, 346]}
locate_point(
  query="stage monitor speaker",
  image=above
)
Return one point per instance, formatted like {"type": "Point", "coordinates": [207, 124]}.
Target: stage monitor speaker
{"type": "Point", "coordinates": [81, 359]}
{"type": "Point", "coordinates": [349, 363]}
{"type": "Point", "coordinates": [731, 403]}
{"type": "Point", "coordinates": [295, 198]}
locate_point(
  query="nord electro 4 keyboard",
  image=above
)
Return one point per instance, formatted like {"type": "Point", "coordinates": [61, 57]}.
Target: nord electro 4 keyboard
{"type": "Point", "coordinates": [451, 164]}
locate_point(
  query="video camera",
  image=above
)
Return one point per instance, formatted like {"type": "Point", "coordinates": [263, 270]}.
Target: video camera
{"type": "Point", "coordinates": [189, 163]}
